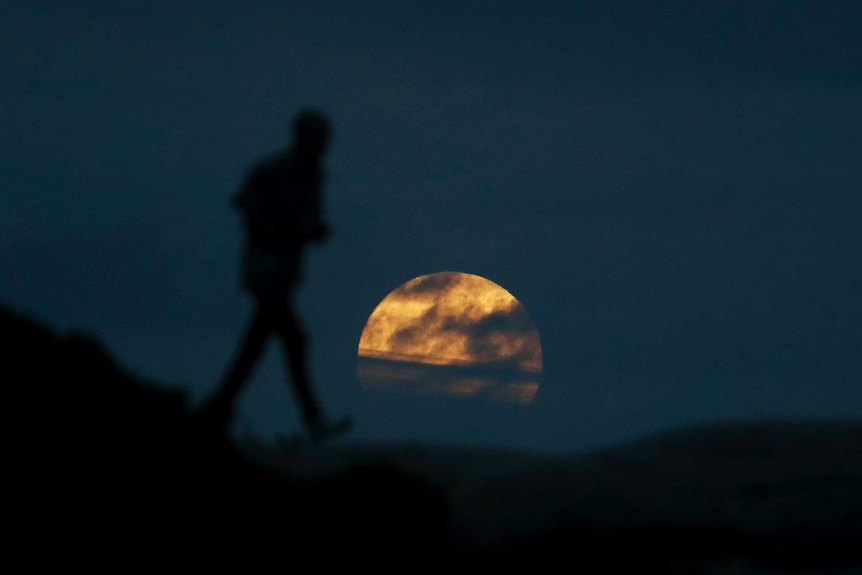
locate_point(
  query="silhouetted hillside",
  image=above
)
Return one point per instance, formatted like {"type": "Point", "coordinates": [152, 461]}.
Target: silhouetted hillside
{"type": "Point", "coordinates": [112, 460]}
{"type": "Point", "coordinates": [103, 459]}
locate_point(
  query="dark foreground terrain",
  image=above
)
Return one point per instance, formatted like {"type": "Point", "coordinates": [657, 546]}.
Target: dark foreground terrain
{"type": "Point", "coordinates": [107, 465]}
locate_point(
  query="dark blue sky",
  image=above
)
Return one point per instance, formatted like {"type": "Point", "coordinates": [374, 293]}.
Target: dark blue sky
{"type": "Point", "coordinates": [671, 189]}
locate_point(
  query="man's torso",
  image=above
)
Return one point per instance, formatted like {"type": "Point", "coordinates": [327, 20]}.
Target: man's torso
{"type": "Point", "coordinates": [279, 197]}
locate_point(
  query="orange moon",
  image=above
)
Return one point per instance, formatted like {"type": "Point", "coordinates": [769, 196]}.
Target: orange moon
{"type": "Point", "coordinates": [451, 333]}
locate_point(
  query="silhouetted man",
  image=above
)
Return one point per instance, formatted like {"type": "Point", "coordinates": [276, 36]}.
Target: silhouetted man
{"type": "Point", "coordinates": [281, 206]}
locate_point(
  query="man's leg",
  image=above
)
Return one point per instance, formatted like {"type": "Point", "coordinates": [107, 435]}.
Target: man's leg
{"type": "Point", "coordinates": [295, 344]}
{"type": "Point", "coordinates": [251, 347]}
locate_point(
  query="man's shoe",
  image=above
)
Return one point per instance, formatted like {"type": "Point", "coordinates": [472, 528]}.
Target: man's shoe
{"type": "Point", "coordinates": [326, 430]}
{"type": "Point", "coordinates": [215, 414]}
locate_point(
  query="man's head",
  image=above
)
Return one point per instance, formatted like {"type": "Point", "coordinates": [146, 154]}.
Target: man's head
{"type": "Point", "coordinates": [312, 132]}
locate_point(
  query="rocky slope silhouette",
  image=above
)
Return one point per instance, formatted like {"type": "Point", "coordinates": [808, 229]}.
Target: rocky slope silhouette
{"type": "Point", "coordinates": [103, 459]}
{"type": "Point", "coordinates": [108, 461]}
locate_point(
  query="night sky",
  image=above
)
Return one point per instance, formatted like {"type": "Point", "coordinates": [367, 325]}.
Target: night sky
{"type": "Point", "coordinates": [671, 190]}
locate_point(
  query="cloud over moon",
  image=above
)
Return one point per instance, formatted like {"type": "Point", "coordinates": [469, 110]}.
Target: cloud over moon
{"type": "Point", "coordinates": [454, 320]}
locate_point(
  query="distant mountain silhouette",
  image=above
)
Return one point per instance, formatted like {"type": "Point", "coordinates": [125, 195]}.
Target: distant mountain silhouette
{"type": "Point", "coordinates": [102, 459]}
{"type": "Point", "coordinates": [744, 497]}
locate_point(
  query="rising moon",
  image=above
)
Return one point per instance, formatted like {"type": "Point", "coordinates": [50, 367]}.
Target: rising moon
{"type": "Point", "coordinates": [451, 333]}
